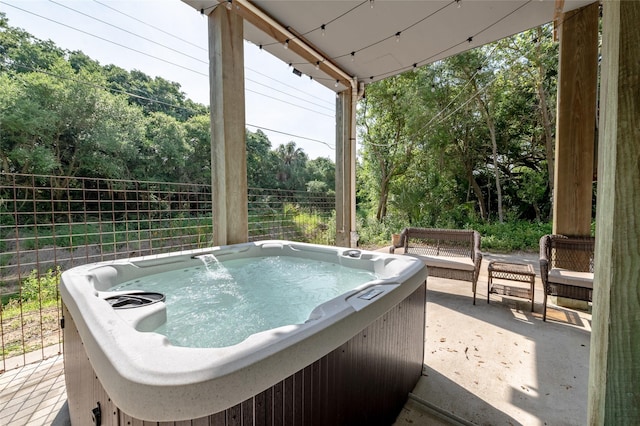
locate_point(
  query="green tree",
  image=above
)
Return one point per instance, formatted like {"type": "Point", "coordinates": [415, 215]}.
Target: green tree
{"type": "Point", "coordinates": [291, 171]}
{"type": "Point", "coordinates": [322, 171]}
{"type": "Point", "coordinates": [198, 137]}
{"type": "Point", "coordinates": [387, 139]}
{"type": "Point", "coordinates": [165, 150]}
{"type": "Point", "coordinates": [261, 161]}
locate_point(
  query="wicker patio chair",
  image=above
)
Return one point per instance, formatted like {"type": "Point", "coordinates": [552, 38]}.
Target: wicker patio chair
{"type": "Point", "coordinates": [448, 253]}
{"type": "Point", "coordinates": [566, 267]}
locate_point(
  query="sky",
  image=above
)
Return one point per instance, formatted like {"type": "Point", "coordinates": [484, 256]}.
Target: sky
{"type": "Point", "coordinates": [121, 32]}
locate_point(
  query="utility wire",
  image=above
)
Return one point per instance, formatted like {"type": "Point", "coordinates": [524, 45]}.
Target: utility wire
{"type": "Point", "coordinates": [287, 85]}
{"type": "Point", "coordinates": [285, 93]}
{"type": "Point", "coordinates": [288, 103]}
{"type": "Point", "coordinates": [201, 48]}
{"type": "Point", "coordinates": [124, 92]}
{"type": "Point", "coordinates": [156, 57]}
{"type": "Point", "coordinates": [130, 32]}
{"type": "Point", "coordinates": [105, 39]}
{"type": "Point", "coordinates": [289, 134]}
{"type": "Point", "coordinates": [151, 26]}
{"type": "Point", "coordinates": [164, 60]}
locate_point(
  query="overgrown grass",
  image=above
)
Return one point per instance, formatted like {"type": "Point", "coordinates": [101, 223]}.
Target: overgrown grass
{"type": "Point", "coordinates": [496, 237]}
{"type": "Point", "coordinates": [512, 236]}
{"type": "Point", "coordinates": [111, 234]}
{"type": "Point", "coordinates": [29, 319]}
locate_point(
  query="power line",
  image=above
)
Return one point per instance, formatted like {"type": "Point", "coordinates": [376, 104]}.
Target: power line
{"type": "Point", "coordinates": [163, 60]}
{"type": "Point", "coordinates": [105, 39]}
{"type": "Point", "coordinates": [156, 57]}
{"type": "Point", "coordinates": [190, 43]}
{"type": "Point", "coordinates": [98, 86]}
{"type": "Point", "coordinates": [285, 84]}
{"type": "Point", "coordinates": [151, 26]}
{"type": "Point", "coordinates": [124, 92]}
{"type": "Point", "coordinates": [290, 134]}
{"type": "Point", "coordinates": [285, 93]}
{"type": "Point", "coordinates": [130, 32]}
{"type": "Point", "coordinates": [288, 103]}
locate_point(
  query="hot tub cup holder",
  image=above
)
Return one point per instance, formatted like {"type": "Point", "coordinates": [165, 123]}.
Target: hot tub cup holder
{"type": "Point", "coordinates": [353, 253]}
{"type": "Point", "coordinates": [135, 300]}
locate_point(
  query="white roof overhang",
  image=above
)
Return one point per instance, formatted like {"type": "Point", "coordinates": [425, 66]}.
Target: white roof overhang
{"type": "Point", "coordinates": [347, 41]}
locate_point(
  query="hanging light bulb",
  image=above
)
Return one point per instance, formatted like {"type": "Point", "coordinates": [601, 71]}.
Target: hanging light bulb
{"type": "Point", "coordinates": [353, 56]}
{"type": "Point", "coordinates": [229, 4]}
{"type": "Point", "coordinates": [286, 44]}
{"type": "Point", "coordinates": [337, 82]}
{"type": "Point", "coordinates": [322, 29]}
{"type": "Point", "coordinates": [371, 3]}
{"type": "Point", "coordinates": [459, 3]}
{"type": "Point", "coordinates": [318, 65]}
{"type": "Point", "coordinates": [415, 67]}
{"type": "Point", "coordinates": [398, 37]}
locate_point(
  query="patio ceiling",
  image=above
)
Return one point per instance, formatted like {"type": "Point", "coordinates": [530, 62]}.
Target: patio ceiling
{"type": "Point", "coordinates": [371, 40]}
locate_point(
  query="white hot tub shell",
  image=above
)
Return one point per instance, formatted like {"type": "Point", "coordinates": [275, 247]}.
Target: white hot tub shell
{"type": "Point", "coordinates": [113, 355]}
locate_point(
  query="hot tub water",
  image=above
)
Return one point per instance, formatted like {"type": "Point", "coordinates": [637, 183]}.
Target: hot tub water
{"type": "Point", "coordinates": [220, 304]}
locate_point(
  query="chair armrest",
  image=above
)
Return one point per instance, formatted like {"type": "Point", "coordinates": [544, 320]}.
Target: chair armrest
{"type": "Point", "coordinates": [475, 252]}
{"type": "Point", "coordinates": [544, 259]}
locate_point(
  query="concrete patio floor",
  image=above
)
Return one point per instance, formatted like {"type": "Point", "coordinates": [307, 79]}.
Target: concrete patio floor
{"type": "Point", "coordinates": [488, 364]}
{"type": "Point", "coordinates": [499, 363]}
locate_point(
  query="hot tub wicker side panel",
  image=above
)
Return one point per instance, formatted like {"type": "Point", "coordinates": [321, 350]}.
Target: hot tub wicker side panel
{"type": "Point", "coordinates": [365, 381]}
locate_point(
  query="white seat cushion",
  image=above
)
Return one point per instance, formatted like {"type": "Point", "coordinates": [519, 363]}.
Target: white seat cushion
{"type": "Point", "coordinates": [567, 277]}
{"type": "Point", "coordinates": [449, 262]}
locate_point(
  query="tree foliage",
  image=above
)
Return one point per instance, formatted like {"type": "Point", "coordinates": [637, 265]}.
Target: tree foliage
{"type": "Point", "coordinates": [464, 139]}
{"type": "Point", "coordinates": [64, 114]}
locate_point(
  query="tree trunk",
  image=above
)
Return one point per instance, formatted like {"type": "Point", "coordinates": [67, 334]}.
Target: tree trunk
{"type": "Point", "coordinates": [546, 117]}
{"type": "Point", "coordinates": [478, 193]}
{"type": "Point", "coordinates": [381, 212]}
{"type": "Point", "coordinates": [494, 150]}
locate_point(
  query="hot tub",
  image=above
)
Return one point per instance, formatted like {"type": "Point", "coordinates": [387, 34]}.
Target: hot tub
{"type": "Point", "coordinates": [351, 359]}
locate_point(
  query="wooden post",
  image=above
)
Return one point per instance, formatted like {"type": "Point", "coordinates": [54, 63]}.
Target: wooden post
{"type": "Point", "coordinates": [228, 147]}
{"type": "Point", "coordinates": [345, 163]}
{"type": "Point", "coordinates": [614, 370]}
{"type": "Point", "coordinates": [576, 121]}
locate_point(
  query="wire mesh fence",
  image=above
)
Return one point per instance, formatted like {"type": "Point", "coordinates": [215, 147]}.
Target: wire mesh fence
{"type": "Point", "coordinates": [52, 223]}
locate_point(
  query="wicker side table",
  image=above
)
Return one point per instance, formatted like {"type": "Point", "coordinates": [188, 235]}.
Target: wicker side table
{"type": "Point", "coordinates": [513, 272]}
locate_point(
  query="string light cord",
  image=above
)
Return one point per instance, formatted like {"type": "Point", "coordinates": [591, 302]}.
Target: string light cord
{"type": "Point", "coordinates": [468, 40]}
{"type": "Point", "coordinates": [321, 27]}
{"type": "Point", "coordinates": [396, 34]}
{"type": "Point", "coordinates": [459, 107]}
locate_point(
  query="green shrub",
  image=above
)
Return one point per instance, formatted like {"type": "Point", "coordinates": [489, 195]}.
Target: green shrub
{"type": "Point", "coordinates": [43, 288]}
